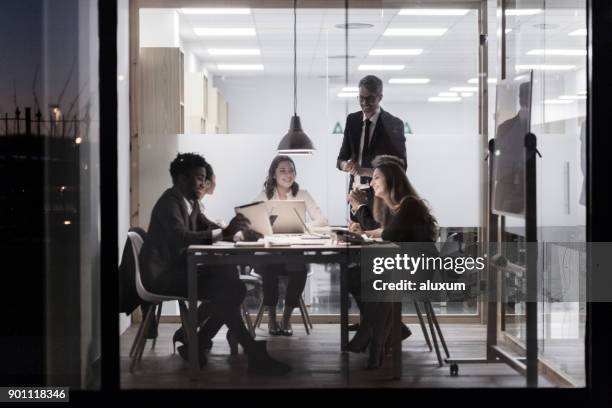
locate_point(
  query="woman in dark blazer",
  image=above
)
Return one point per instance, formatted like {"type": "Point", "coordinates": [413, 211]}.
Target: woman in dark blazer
{"type": "Point", "coordinates": [404, 217]}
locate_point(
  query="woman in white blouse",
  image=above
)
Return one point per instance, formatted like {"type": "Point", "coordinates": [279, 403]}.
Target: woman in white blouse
{"type": "Point", "coordinates": [280, 185]}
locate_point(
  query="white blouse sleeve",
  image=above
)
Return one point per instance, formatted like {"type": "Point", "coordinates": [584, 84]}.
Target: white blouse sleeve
{"type": "Point", "coordinates": [314, 212]}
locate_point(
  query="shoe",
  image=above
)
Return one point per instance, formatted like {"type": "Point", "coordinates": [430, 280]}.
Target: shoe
{"type": "Point", "coordinates": [286, 330]}
{"type": "Point", "coordinates": [405, 332]}
{"type": "Point", "coordinates": [274, 329]}
{"type": "Point", "coordinates": [233, 343]}
{"type": "Point", "coordinates": [179, 336]}
{"type": "Point", "coordinates": [184, 353]}
{"type": "Point", "coordinates": [260, 362]}
{"type": "Point", "coordinates": [353, 327]}
{"type": "Point", "coordinates": [359, 343]}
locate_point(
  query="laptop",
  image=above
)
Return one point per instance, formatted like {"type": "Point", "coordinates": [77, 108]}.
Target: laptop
{"type": "Point", "coordinates": [257, 213]}
{"type": "Point", "coordinates": [283, 216]}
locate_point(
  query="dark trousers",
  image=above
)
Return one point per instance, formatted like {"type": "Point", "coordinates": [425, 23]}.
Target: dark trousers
{"type": "Point", "coordinates": [295, 283]}
{"type": "Point", "coordinates": [224, 292]}
{"type": "Point", "coordinates": [354, 286]}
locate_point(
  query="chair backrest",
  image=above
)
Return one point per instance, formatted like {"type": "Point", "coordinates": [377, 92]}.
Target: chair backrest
{"type": "Point", "coordinates": [137, 242]}
{"type": "Point", "coordinates": [143, 293]}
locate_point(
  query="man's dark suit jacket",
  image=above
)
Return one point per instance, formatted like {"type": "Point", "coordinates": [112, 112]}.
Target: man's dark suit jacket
{"type": "Point", "coordinates": [388, 138]}
{"type": "Point", "coordinates": [163, 259]}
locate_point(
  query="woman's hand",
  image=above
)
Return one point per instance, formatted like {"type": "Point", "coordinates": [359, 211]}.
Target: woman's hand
{"type": "Point", "coordinates": [375, 233]}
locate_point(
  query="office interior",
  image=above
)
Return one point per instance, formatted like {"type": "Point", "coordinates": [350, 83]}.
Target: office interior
{"type": "Point", "coordinates": [234, 109]}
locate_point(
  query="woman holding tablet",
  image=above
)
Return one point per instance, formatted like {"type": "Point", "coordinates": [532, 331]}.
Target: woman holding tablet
{"type": "Point", "coordinates": [280, 184]}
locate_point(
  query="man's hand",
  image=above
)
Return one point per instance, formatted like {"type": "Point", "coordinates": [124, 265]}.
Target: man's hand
{"type": "Point", "coordinates": [251, 235]}
{"type": "Point", "coordinates": [238, 223]}
{"type": "Point", "coordinates": [355, 227]}
{"type": "Point", "coordinates": [357, 198]}
{"type": "Point", "coordinates": [352, 167]}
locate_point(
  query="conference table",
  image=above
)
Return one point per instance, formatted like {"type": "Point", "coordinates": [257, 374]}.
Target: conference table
{"type": "Point", "coordinates": [280, 251]}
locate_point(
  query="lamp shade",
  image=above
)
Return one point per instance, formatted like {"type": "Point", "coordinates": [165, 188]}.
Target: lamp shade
{"type": "Point", "coordinates": [295, 141]}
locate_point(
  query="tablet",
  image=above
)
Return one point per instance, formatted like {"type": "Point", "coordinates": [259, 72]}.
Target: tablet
{"type": "Point", "coordinates": [257, 213]}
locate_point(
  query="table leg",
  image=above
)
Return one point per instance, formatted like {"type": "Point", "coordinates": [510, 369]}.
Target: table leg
{"type": "Point", "coordinates": [343, 307]}
{"type": "Point", "coordinates": [192, 297]}
{"type": "Point", "coordinates": [397, 340]}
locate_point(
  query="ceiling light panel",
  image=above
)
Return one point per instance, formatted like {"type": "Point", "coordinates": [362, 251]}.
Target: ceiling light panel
{"type": "Point", "coordinates": [523, 12]}
{"type": "Point", "coordinates": [350, 89]}
{"type": "Point", "coordinates": [579, 32]}
{"type": "Point", "coordinates": [348, 94]}
{"type": "Point", "coordinates": [557, 52]}
{"type": "Point", "coordinates": [573, 97]}
{"type": "Point", "coordinates": [443, 99]}
{"type": "Point", "coordinates": [545, 67]}
{"type": "Point", "coordinates": [215, 11]}
{"type": "Point", "coordinates": [224, 32]}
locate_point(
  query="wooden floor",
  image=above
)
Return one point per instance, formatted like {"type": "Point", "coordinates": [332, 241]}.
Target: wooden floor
{"type": "Point", "coordinates": [317, 363]}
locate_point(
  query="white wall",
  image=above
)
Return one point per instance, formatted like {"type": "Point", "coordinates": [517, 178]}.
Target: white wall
{"type": "Point", "coordinates": [123, 132]}
{"type": "Point", "coordinates": [443, 153]}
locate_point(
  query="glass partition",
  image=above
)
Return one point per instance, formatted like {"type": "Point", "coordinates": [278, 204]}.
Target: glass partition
{"type": "Point", "coordinates": [550, 39]}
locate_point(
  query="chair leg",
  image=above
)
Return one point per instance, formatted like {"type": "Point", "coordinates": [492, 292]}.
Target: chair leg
{"type": "Point", "coordinates": [260, 313]}
{"type": "Point", "coordinates": [138, 334]}
{"type": "Point", "coordinates": [148, 322]}
{"type": "Point", "coordinates": [247, 319]}
{"type": "Point", "coordinates": [423, 328]}
{"type": "Point", "coordinates": [301, 307]}
{"type": "Point", "coordinates": [433, 335]}
{"type": "Point", "coordinates": [141, 339]}
{"type": "Point", "coordinates": [157, 318]}
{"type": "Point", "coordinates": [435, 321]}
{"type": "Point", "coordinates": [306, 313]}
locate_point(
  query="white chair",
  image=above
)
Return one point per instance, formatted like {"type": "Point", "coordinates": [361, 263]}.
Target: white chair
{"type": "Point", "coordinates": [155, 299]}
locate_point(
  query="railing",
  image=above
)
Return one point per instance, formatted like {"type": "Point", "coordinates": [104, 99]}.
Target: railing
{"type": "Point", "coordinates": [54, 126]}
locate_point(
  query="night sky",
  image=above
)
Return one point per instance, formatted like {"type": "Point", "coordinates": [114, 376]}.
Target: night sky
{"type": "Point", "coordinates": [38, 35]}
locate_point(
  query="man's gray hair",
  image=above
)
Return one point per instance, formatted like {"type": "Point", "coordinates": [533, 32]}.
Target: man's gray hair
{"type": "Point", "coordinates": [372, 83]}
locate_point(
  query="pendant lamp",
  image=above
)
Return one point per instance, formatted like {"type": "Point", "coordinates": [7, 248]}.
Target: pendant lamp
{"type": "Point", "coordinates": [295, 142]}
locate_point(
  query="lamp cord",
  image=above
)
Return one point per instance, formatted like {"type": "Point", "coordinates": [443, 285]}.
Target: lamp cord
{"type": "Point", "coordinates": [294, 58]}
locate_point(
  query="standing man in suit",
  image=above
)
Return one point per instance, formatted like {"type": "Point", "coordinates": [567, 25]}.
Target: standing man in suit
{"type": "Point", "coordinates": [368, 133]}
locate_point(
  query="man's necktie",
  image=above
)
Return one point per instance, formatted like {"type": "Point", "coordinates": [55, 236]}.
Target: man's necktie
{"type": "Point", "coordinates": [365, 152]}
{"type": "Point", "coordinates": [193, 218]}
